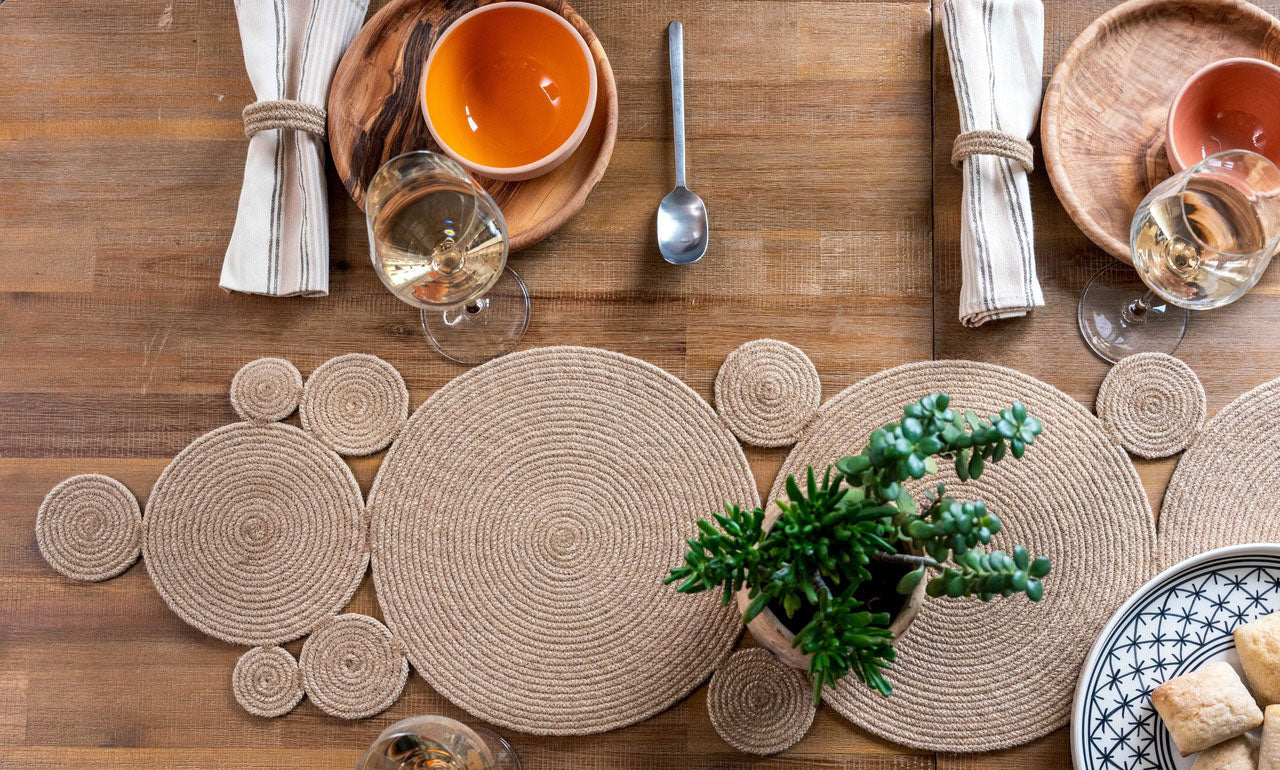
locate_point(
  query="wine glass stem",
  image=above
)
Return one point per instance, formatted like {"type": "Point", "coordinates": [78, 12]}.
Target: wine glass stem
{"type": "Point", "coordinates": [1136, 311]}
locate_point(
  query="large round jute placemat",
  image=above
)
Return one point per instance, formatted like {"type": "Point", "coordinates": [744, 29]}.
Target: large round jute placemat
{"type": "Point", "coordinates": [352, 667]}
{"type": "Point", "coordinates": [522, 525]}
{"type": "Point", "coordinates": [758, 704]}
{"type": "Point", "coordinates": [255, 533]}
{"type": "Point", "coordinates": [266, 390]}
{"type": "Point", "coordinates": [356, 403]}
{"type": "Point", "coordinates": [972, 676]}
{"type": "Point", "coordinates": [767, 390]}
{"type": "Point", "coordinates": [266, 681]}
{"type": "Point", "coordinates": [1221, 492]}
{"type": "Point", "coordinates": [89, 527]}
{"type": "Point", "coordinates": [1154, 403]}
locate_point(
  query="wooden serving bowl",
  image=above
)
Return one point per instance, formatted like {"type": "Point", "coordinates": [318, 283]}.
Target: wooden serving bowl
{"type": "Point", "coordinates": [1102, 125]}
{"type": "Point", "coordinates": [374, 115]}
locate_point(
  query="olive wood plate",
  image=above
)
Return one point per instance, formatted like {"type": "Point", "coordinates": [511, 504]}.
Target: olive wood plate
{"type": "Point", "coordinates": [374, 115]}
{"type": "Point", "coordinates": [1102, 125]}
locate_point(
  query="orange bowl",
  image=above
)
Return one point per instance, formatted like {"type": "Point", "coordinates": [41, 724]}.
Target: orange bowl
{"type": "Point", "coordinates": [509, 90]}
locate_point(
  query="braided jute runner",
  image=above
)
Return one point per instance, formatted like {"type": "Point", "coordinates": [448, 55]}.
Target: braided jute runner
{"type": "Point", "coordinates": [522, 525]}
{"type": "Point", "coordinates": [972, 676]}
{"type": "Point", "coordinates": [758, 704]}
{"type": "Point", "coordinates": [766, 391]}
{"type": "Point", "coordinates": [1153, 402]}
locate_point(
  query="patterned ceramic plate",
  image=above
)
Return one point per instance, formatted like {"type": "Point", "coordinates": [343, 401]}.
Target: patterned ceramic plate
{"type": "Point", "coordinates": [1176, 623]}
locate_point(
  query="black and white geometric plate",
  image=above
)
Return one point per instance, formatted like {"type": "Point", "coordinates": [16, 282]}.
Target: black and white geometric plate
{"type": "Point", "coordinates": [1176, 623]}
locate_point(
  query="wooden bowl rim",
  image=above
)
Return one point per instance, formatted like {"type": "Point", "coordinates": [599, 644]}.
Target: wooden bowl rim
{"type": "Point", "coordinates": [1049, 128]}
{"type": "Point", "coordinates": [608, 94]}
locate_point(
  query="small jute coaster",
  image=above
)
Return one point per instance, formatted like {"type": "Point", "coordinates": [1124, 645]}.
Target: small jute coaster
{"type": "Point", "coordinates": [1221, 492]}
{"type": "Point", "coordinates": [266, 390]}
{"type": "Point", "coordinates": [972, 676]}
{"type": "Point", "coordinates": [89, 527]}
{"type": "Point", "coordinates": [356, 403]}
{"type": "Point", "coordinates": [522, 525]}
{"type": "Point", "coordinates": [759, 704]}
{"type": "Point", "coordinates": [1154, 403]}
{"type": "Point", "coordinates": [266, 681]}
{"type": "Point", "coordinates": [255, 533]}
{"type": "Point", "coordinates": [767, 391]}
{"type": "Point", "coordinates": [352, 667]}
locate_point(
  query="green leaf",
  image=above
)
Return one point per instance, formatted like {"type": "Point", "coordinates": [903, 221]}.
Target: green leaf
{"type": "Point", "coordinates": [1035, 590]}
{"type": "Point", "coordinates": [976, 465]}
{"type": "Point", "coordinates": [853, 465]}
{"type": "Point", "coordinates": [936, 587]}
{"type": "Point", "coordinates": [974, 423]}
{"type": "Point", "coordinates": [1040, 567]}
{"type": "Point", "coordinates": [962, 465]}
{"type": "Point", "coordinates": [1021, 557]}
{"type": "Point", "coordinates": [756, 606]}
{"type": "Point", "coordinates": [910, 580]}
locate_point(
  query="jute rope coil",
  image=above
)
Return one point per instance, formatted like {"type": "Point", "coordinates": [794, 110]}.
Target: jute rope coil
{"type": "Point", "coordinates": [1154, 403]}
{"type": "Point", "coordinates": [89, 527]}
{"type": "Point", "coordinates": [521, 528]}
{"type": "Point", "coordinates": [1074, 497]}
{"type": "Point", "coordinates": [255, 533]}
{"type": "Point", "coordinates": [997, 143]}
{"type": "Point", "coordinates": [266, 681]}
{"type": "Point", "coordinates": [266, 390]}
{"type": "Point", "coordinates": [1222, 492]}
{"type": "Point", "coordinates": [758, 704]}
{"type": "Point", "coordinates": [767, 391]}
{"type": "Point", "coordinates": [352, 667]}
{"type": "Point", "coordinates": [284, 113]}
{"type": "Point", "coordinates": [356, 403]}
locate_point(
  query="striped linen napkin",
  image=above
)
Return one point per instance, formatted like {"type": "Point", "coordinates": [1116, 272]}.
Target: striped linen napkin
{"type": "Point", "coordinates": [996, 49]}
{"type": "Point", "coordinates": [280, 244]}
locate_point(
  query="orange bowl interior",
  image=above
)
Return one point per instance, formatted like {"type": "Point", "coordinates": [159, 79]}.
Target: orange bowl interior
{"type": "Point", "coordinates": [507, 87]}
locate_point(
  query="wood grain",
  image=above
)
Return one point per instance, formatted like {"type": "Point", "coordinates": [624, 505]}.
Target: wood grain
{"type": "Point", "coordinates": [1105, 108]}
{"type": "Point", "coordinates": [375, 115]}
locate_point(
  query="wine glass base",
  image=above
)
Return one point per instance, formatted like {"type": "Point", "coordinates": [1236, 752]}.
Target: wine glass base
{"type": "Point", "coordinates": [485, 328]}
{"type": "Point", "coordinates": [1113, 329]}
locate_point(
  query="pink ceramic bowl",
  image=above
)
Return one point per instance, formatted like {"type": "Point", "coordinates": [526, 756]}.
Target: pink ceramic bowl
{"type": "Point", "coordinates": [1233, 104]}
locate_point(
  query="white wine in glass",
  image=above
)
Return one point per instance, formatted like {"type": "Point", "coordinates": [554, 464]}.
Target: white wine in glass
{"type": "Point", "coordinates": [1199, 240]}
{"type": "Point", "coordinates": [439, 242]}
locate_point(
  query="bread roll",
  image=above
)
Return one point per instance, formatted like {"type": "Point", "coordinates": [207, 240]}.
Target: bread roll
{"type": "Point", "coordinates": [1236, 754]}
{"type": "Point", "coordinates": [1269, 755]}
{"type": "Point", "coordinates": [1259, 646]}
{"type": "Point", "coordinates": [1206, 707]}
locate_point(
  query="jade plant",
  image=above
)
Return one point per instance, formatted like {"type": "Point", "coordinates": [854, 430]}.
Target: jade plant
{"type": "Point", "coordinates": [831, 534]}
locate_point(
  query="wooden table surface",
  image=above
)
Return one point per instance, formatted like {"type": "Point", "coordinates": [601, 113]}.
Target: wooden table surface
{"type": "Point", "coordinates": [820, 138]}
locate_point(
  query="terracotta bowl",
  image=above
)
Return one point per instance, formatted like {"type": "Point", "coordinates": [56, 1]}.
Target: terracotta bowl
{"type": "Point", "coordinates": [1233, 104]}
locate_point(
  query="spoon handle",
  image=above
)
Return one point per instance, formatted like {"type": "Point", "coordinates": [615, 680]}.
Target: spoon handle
{"type": "Point", "coordinates": [675, 44]}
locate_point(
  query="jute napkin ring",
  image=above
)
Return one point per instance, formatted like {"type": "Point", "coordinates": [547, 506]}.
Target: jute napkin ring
{"type": "Point", "coordinates": [996, 143]}
{"type": "Point", "coordinates": [284, 113]}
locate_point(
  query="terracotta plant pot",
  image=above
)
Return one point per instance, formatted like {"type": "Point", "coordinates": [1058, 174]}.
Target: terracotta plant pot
{"type": "Point", "coordinates": [772, 634]}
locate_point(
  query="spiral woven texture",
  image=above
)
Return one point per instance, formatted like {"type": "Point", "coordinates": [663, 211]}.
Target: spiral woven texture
{"type": "Point", "coordinates": [759, 704]}
{"type": "Point", "coordinates": [352, 667]}
{"type": "Point", "coordinates": [1154, 403]}
{"type": "Point", "coordinates": [266, 681]}
{"type": "Point", "coordinates": [767, 391]}
{"type": "Point", "coordinates": [522, 525]}
{"type": "Point", "coordinates": [355, 403]}
{"type": "Point", "coordinates": [266, 390]}
{"type": "Point", "coordinates": [1221, 492]}
{"type": "Point", "coordinates": [977, 677]}
{"type": "Point", "coordinates": [255, 533]}
{"type": "Point", "coordinates": [89, 527]}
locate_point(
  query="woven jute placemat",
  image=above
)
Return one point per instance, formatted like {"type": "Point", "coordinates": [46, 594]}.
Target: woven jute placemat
{"type": "Point", "coordinates": [759, 704]}
{"type": "Point", "coordinates": [255, 533]}
{"type": "Point", "coordinates": [522, 525]}
{"type": "Point", "coordinates": [1154, 404]}
{"type": "Point", "coordinates": [89, 527]}
{"type": "Point", "coordinates": [352, 667]}
{"type": "Point", "coordinates": [266, 681]}
{"type": "Point", "coordinates": [972, 676]}
{"type": "Point", "coordinates": [767, 390]}
{"type": "Point", "coordinates": [355, 403]}
{"type": "Point", "coordinates": [1223, 488]}
{"type": "Point", "coordinates": [266, 390]}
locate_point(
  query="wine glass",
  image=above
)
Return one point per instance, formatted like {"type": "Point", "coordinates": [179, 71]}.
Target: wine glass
{"type": "Point", "coordinates": [439, 242]}
{"type": "Point", "coordinates": [438, 743]}
{"type": "Point", "coordinates": [1199, 240]}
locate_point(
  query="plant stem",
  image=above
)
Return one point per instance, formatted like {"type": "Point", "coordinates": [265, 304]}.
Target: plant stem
{"type": "Point", "coordinates": [820, 583]}
{"type": "Point", "coordinates": [906, 560]}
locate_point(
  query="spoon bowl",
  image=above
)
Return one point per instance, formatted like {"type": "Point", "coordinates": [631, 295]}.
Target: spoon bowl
{"type": "Point", "coordinates": [682, 227]}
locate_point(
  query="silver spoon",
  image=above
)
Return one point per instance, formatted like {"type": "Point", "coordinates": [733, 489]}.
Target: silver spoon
{"type": "Point", "coordinates": [682, 217]}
